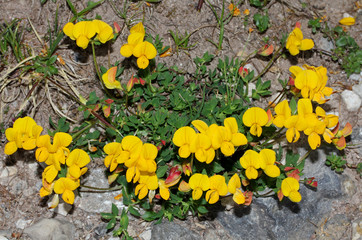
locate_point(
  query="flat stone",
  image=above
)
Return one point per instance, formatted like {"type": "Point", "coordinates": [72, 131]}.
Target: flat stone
{"type": "Point", "coordinates": [358, 89]}
{"type": "Point", "coordinates": [3, 238]}
{"type": "Point", "coordinates": [62, 208]}
{"type": "Point", "coordinates": [356, 77]}
{"type": "Point", "coordinates": [351, 100]}
{"type": "Point", "coordinates": [146, 235]}
{"type": "Point", "coordinates": [98, 202]}
{"type": "Point", "coordinates": [325, 44]}
{"type": "Point", "coordinates": [22, 223]}
{"type": "Point", "coordinates": [173, 230]}
{"type": "Point", "coordinates": [357, 229]}
{"type": "Point", "coordinates": [54, 229]}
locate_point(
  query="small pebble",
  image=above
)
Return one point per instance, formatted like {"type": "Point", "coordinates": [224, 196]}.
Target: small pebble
{"type": "Point", "coordinates": [352, 100]}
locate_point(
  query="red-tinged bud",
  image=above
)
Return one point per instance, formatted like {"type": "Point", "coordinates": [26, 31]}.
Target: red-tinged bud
{"type": "Point", "coordinates": [184, 186]}
{"type": "Point", "coordinates": [280, 195]}
{"type": "Point", "coordinates": [174, 176]}
{"type": "Point", "coordinates": [158, 196]}
{"type": "Point", "coordinates": [96, 107]}
{"type": "Point", "coordinates": [109, 101]}
{"type": "Point", "coordinates": [266, 50]}
{"type": "Point", "coordinates": [163, 142]}
{"type": "Point", "coordinates": [294, 174]}
{"type": "Point", "coordinates": [245, 182]}
{"type": "Point", "coordinates": [291, 81]}
{"type": "Point", "coordinates": [270, 117]}
{"type": "Point", "coordinates": [311, 182]}
{"type": "Point", "coordinates": [248, 197]}
{"type": "Point", "coordinates": [347, 130]}
{"type": "Point", "coordinates": [106, 110]}
{"type": "Point", "coordinates": [112, 178]}
{"type": "Point", "coordinates": [117, 28]}
{"type": "Point", "coordinates": [298, 25]}
{"type": "Point", "coordinates": [118, 197]}
{"type": "Point", "coordinates": [130, 84]}
{"type": "Point", "coordinates": [253, 144]}
{"type": "Point", "coordinates": [289, 169]}
{"type": "Point", "coordinates": [340, 143]}
{"type": "Point", "coordinates": [243, 72]}
{"type": "Point", "coordinates": [335, 130]}
{"type": "Point", "coordinates": [186, 168]}
{"type": "Point", "coordinates": [92, 148]}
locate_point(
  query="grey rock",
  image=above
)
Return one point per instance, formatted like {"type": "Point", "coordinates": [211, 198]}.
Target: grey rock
{"type": "Point", "coordinates": [357, 229]}
{"type": "Point", "coordinates": [325, 44]}
{"type": "Point", "coordinates": [3, 237]}
{"type": "Point", "coordinates": [334, 226]}
{"type": "Point", "coordinates": [358, 89]}
{"type": "Point", "coordinates": [356, 77]}
{"type": "Point", "coordinates": [22, 223]}
{"type": "Point", "coordinates": [173, 230]}
{"type": "Point", "coordinates": [51, 229]}
{"type": "Point", "coordinates": [98, 202]}
{"type": "Point", "coordinates": [351, 100]}
{"type": "Point", "coordinates": [146, 235]}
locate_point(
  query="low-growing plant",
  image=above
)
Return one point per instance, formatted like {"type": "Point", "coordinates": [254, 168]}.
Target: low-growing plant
{"type": "Point", "coordinates": [175, 143]}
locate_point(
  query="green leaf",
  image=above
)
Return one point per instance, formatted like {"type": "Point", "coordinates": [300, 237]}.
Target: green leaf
{"type": "Point", "coordinates": [107, 216]}
{"type": "Point", "coordinates": [161, 171]}
{"type": "Point", "coordinates": [202, 210]}
{"type": "Point", "coordinates": [114, 210]}
{"type": "Point", "coordinates": [133, 211]}
{"type": "Point", "coordinates": [124, 220]}
{"type": "Point", "coordinates": [261, 22]}
{"type": "Point", "coordinates": [293, 105]}
{"type": "Point", "coordinates": [111, 223]}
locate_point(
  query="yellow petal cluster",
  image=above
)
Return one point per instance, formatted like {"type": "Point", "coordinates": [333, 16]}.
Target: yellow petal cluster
{"type": "Point", "coordinates": [296, 43]}
{"type": "Point", "coordinates": [251, 161]}
{"type": "Point", "coordinates": [255, 118]}
{"type": "Point", "coordinates": [290, 187]}
{"type": "Point", "coordinates": [142, 50]}
{"type": "Point", "coordinates": [23, 134]}
{"type": "Point", "coordinates": [109, 79]}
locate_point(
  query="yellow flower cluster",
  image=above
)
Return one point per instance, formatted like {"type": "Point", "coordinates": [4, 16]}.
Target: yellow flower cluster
{"type": "Point", "coordinates": [311, 81]}
{"type": "Point", "coordinates": [142, 50]}
{"type": "Point", "coordinates": [26, 134]}
{"type": "Point", "coordinates": [139, 158]}
{"type": "Point", "coordinates": [313, 124]}
{"type": "Point", "coordinates": [289, 188]}
{"type": "Point", "coordinates": [83, 31]}
{"type": "Point", "coordinates": [251, 161]}
{"type": "Point", "coordinates": [215, 186]}
{"type": "Point", "coordinates": [208, 139]}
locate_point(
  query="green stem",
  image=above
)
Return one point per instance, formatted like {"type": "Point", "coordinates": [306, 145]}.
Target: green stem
{"type": "Point", "coordinates": [275, 56]}
{"type": "Point", "coordinates": [304, 156]}
{"type": "Point", "coordinates": [96, 64]}
{"type": "Point", "coordinates": [119, 187]}
{"type": "Point", "coordinates": [80, 132]}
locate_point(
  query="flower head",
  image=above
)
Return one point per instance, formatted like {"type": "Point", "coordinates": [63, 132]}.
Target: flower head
{"type": "Point", "coordinates": [296, 43]}
{"type": "Point", "coordinates": [268, 157]}
{"type": "Point", "coordinates": [218, 188]}
{"type": "Point", "coordinates": [144, 52]}
{"type": "Point", "coordinates": [290, 187]}
{"type": "Point", "coordinates": [66, 186]}
{"type": "Point", "coordinates": [251, 161]}
{"type": "Point", "coordinates": [183, 138]}
{"type": "Point", "coordinates": [255, 118]}
{"type": "Point", "coordinates": [348, 21]}
{"type": "Point", "coordinates": [82, 32]}
{"type": "Point", "coordinates": [103, 30]}
{"type": "Point", "coordinates": [23, 134]}
{"type": "Point", "coordinates": [283, 112]}
{"type": "Point", "coordinates": [76, 162]}
{"type": "Point", "coordinates": [234, 183]}
{"type": "Point", "coordinates": [146, 182]}
{"type": "Point", "coordinates": [199, 183]}
{"type": "Point", "coordinates": [109, 79]}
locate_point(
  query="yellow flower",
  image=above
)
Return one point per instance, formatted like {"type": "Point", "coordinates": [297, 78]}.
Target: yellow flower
{"type": "Point", "coordinates": [239, 197]}
{"type": "Point", "coordinates": [255, 118]}
{"type": "Point", "coordinates": [138, 28]}
{"type": "Point", "coordinates": [131, 148]}
{"type": "Point", "coordinates": [53, 154]}
{"type": "Point", "coordinates": [296, 43]}
{"type": "Point", "coordinates": [330, 120]}
{"type": "Point", "coordinates": [348, 21]}
{"type": "Point", "coordinates": [66, 186]}
{"type": "Point", "coordinates": [103, 30]}
{"type": "Point", "coordinates": [305, 79]}
{"type": "Point", "coordinates": [292, 133]}
{"type": "Point", "coordinates": [218, 188]}
{"type": "Point", "coordinates": [133, 40]}
{"type": "Point", "coordinates": [113, 151]}
{"type": "Point", "coordinates": [82, 32]}
{"type": "Point", "coordinates": [144, 52]}
{"type": "Point", "coordinates": [182, 138]}
{"type": "Point", "coordinates": [213, 131]}
{"type": "Point", "coordinates": [237, 139]}
{"type": "Point", "coordinates": [234, 10]}
{"type": "Point", "coordinates": [201, 146]}
{"type": "Point", "coordinates": [251, 161]}
{"type": "Point", "coordinates": [234, 183]}
{"type": "Point", "coordinates": [47, 187]}
{"type": "Point", "coordinates": [268, 157]}
{"type": "Point", "coordinates": [320, 91]}
{"type": "Point", "coordinates": [314, 129]}
{"type": "Point", "coordinates": [23, 134]}
{"type": "Point", "coordinates": [290, 187]}
{"type": "Point", "coordinates": [283, 112]}
{"type": "Point", "coordinates": [164, 191]}
{"type": "Point", "coordinates": [50, 173]}
{"type": "Point", "coordinates": [199, 183]}
{"type": "Point", "coordinates": [109, 79]}
{"type": "Point", "coordinates": [246, 12]}
{"type": "Point", "coordinates": [226, 147]}
{"type": "Point", "coordinates": [76, 162]}
{"type": "Point", "coordinates": [146, 182]}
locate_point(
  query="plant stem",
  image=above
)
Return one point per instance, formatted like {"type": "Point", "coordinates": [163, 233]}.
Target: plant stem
{"type": "Point", "coordinates": [119, 187]}
{"type": "Point", "coordinates": [304, 156]}
{"type": "Point", "coordinates": [275, 56]}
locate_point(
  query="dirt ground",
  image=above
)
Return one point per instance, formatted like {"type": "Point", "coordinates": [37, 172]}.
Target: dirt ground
{"type": "Point", "coordinates": [19, 199]}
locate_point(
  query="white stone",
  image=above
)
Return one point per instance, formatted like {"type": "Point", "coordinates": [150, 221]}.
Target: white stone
{"type": "Point", "coordinates": [3, 238]}
{"type": "Point", "coordinates": [352, 100]}
{"type": "Point", "coordinates": [356, 77]}
{"type": "Point", "coordinates": [53, 229]}
{"type": "Point", "coordinates": [250, 68]}
{"type": "Point", "coordinates": [146, 235]}
{"type": "Point", "coordinates": [345, 15]}
{"type": "Point", "coordinates": [8, 172]}
{"type": "Point", "coordinates": [62, 208]}
{"type": "Point", "coordinates": [358, 89]}
{"type": "Point", "coordinates": [22, 224]}
{"type": "Point", "coordinates": [356, 230]}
